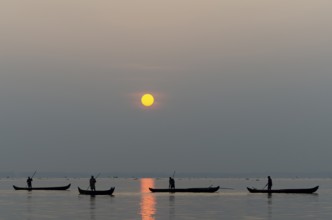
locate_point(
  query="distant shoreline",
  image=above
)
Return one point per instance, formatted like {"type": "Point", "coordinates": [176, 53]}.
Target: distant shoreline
{"type": "Point", "coordinates": [44, 174]}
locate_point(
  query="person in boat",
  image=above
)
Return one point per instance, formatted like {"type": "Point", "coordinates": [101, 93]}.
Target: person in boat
{"type": "Point", "coordinates": [93, 183]}
{"type": "Point", "coordinates": [269, 183]}
{"type": "Point", "coordinates": [29, 182]}
{"type": "Point", "coordinates": [171, 183]}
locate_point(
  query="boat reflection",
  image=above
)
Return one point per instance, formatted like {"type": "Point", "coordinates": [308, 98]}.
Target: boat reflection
{"type": "Point", "coordinates": [148, 200]}
{"type": "Point", "coordinates": [172, 206]}
{"type": "Point", "coordinates": [92, 207]}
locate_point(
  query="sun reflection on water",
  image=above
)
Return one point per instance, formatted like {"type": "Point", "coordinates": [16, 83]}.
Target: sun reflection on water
{"type": "Point", "coordinates": [148, 200]}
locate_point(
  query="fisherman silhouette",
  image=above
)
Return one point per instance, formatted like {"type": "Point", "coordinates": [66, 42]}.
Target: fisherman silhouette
{"type": "Point", "coordinates": [269, 183]}
{"type": "Point", "coordinates": [29, 182]}
{"type": "Point", "coordinates": [171, 183]}
{"type": "Point", "coordinates": [93, 183]}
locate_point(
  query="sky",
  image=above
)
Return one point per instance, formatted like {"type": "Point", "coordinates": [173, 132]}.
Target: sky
{"type": "Point", "coordinates": [239, 86]}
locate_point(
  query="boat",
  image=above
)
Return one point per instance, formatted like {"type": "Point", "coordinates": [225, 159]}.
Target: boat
{"type": "Point", "coordinates": [189, 190]}
{"type": "Point", "coordinates": [97, 192]}
{"type": "Point", "coordinates": [303, 190]}
{"type": "Point", "coordinates": [42, 188]}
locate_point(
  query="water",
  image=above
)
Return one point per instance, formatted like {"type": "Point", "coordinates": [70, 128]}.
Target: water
{"type": "Point", "coordinates": [132, 200]}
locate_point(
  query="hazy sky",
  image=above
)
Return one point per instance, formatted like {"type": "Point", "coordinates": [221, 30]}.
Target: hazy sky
{"type": "Point", "coordinates": [240, 85]}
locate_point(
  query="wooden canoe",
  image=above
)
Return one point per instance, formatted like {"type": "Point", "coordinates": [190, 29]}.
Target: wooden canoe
{"type": "Point", "coordinates": [303, 190]}
{"type": "Point", "coordinates": [97, 192]}
{"type": "Point", "coordinates": [43, 188]}
{"type": "Point", "coordinates": [189, 190]}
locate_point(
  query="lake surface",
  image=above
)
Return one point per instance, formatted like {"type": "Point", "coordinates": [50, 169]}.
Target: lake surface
{"type": "Point", "coordinates": [132, 200]}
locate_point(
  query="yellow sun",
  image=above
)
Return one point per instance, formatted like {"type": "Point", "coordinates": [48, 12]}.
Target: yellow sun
{"type": "Point", "coordinates": [147, 100]}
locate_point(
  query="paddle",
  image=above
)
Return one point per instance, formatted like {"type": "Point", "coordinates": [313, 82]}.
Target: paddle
{"type": "Point", "coordinates": [95, 178]}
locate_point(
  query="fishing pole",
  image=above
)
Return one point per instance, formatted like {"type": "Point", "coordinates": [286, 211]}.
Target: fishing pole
{"type": "Point", "coordinates": [33, 174]}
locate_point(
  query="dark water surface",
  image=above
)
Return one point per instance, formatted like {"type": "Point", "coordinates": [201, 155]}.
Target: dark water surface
{"type": "Point", "coordinates": [132, 200]}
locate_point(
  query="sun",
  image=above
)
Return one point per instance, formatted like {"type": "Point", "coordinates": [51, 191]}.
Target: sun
{"type": "Point", "coordinates": [147, 100]}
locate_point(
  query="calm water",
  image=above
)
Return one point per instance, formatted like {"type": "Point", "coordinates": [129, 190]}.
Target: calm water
{"type": "Point", "coordinates": [132, 200]}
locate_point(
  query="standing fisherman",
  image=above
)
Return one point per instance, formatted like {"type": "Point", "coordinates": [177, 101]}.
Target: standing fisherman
{"type": "Point", "coordinates": [29, 182]}
{"type": "Point", "coordinates": [93, 183]}
{"type": "Point", "coordinates": [269, 183]}
{"type": "Point", "coordinates": [171, 183]}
